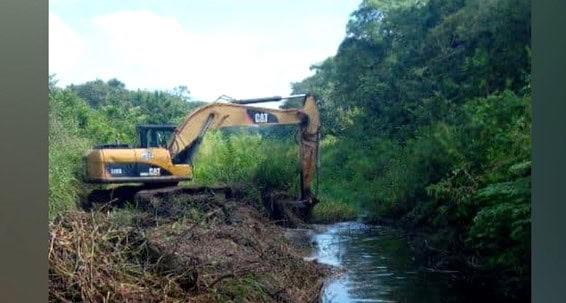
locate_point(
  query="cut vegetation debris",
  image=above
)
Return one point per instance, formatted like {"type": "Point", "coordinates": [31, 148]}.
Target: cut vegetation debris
{"type": "Point", "coordinates": [179, 250]}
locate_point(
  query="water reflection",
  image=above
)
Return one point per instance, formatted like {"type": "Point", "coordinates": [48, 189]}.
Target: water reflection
{"type": "Point", "coordinates": [378, 267]}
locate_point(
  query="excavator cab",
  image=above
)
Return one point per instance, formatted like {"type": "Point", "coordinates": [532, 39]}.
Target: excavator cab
{"type": "Point", "coordinates": [159, 135]}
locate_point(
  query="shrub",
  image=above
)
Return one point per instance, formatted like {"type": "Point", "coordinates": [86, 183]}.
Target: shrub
{"type": "Point", "coordinates": [244, 158]}
{"type": "Point", "coordinates": [66, 147]}
{"type": "Point", "coordinates": [331, 211]}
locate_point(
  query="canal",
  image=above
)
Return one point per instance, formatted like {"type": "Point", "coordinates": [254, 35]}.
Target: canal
{"type": "Point", "coordinates": [376, 264]}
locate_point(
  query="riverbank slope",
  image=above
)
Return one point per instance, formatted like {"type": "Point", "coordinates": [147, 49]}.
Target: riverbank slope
{"type": "Point", "coordinates": [203, 249]}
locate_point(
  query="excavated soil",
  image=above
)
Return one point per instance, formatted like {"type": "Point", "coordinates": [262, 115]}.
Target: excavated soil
{"type": "Point", "coordinates": [203, 248]}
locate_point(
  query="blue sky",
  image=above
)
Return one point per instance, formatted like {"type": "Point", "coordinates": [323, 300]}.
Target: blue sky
{"type": "Point", "coordinates": [245, 48]}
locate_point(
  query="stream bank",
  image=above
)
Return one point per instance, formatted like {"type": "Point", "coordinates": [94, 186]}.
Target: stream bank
{"type": "Point", "coordinates": [207, 248]}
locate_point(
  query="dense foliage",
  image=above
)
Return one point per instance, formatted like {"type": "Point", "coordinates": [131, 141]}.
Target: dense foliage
{"type": "Point", "coordinates": [245, 157]}
{"type": "Point", "coordinates": [426, 119]}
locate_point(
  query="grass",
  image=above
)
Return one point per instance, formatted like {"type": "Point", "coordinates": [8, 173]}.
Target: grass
{"type": "Point", "coordinates": [333, 211]}
{"type": "Point", "coordinates": [262, 164]}
{"type": "Point", "coordinates": [66, 148]}
{"type": "Point", "coordinates": [248, 159]}
{"type": "Point", "coordinates": [242, 289]}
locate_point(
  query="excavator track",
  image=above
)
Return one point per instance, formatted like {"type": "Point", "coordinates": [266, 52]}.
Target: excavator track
{"type": "Point", "coordinates": [143, 194]}
{"type": "Point", "coordinates": [279, 206]}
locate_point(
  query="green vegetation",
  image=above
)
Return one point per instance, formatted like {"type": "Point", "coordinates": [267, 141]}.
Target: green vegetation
{"type": "Point", "coordinates": [66, 146]}
{"type": "Point", "coordinates": [426, 119]}
{"type": "Point", "coordinates": [330, 211]}
{"type": "Point", "coordinates": [242, 290]}
{"type": "Point", "coordinates": [258, 159]}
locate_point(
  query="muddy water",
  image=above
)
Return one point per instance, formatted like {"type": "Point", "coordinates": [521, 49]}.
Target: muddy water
{"type": "Point", "coordinates": [377, 266]}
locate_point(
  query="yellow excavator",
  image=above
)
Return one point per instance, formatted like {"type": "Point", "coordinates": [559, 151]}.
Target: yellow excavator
{"type": "Point", "coordinates": [165, 153]}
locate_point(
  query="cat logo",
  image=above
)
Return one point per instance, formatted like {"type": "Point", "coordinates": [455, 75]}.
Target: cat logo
{"type": "Point", "coordinates": [261, 117]}
{"type": "Point", "coordinates": [152, 171]}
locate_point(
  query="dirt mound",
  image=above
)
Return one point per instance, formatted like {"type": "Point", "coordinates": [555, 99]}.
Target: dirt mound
{"type": "Point", "coordinates": [203, 249]}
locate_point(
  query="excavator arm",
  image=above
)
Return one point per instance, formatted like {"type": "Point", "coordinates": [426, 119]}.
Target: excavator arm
{"type": "Point", "coordinates": [189, 134]}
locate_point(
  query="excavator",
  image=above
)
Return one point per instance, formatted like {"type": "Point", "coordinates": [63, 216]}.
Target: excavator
{"type": "Point", "coordinates": [165, 154]}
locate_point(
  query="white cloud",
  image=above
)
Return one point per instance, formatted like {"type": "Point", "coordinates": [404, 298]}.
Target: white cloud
{"type": "Point", "coordinates": [66, 49]}
{"type": "Point", "coordinates": [146, 50]}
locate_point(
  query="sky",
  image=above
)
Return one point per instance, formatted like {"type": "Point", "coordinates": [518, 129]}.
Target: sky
{"type": "Point", "coordinates": [243, 49]}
